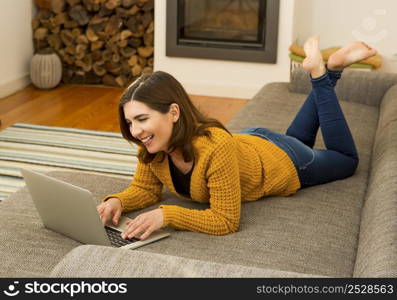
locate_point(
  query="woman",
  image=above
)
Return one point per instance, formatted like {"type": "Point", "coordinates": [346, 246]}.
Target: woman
{"type": "Point", "coordinates": [197, 158]}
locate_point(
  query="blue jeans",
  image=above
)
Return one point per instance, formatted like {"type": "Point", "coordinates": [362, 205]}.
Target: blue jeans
{"type": "Point", "coordinates": [320, 110]}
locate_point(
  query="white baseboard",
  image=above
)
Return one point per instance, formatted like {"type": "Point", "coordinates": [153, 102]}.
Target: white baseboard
{"type": "Point", "coordinates": [13, 86]}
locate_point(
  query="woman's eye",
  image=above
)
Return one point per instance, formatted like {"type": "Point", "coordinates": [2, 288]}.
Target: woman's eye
{"type": "Point", "coordinates": [141, 120]}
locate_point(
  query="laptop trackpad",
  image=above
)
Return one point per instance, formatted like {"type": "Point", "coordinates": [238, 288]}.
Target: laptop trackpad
{"type": "Point", "coordinates": [122, 223]}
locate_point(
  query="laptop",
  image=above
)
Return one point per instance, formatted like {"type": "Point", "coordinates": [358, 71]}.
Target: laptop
{"type": "Point", "coordinates": [71, 211]}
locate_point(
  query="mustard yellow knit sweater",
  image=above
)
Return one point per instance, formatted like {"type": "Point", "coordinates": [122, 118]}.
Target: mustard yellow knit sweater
{"type": "Point", "coordinates": [227, 170]}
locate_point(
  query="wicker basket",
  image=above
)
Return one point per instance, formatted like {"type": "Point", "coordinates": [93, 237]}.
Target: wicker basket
{"type": "Point", "coordinates": [46, 69]}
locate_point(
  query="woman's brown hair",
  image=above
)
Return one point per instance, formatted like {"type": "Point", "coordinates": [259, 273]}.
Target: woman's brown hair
{"type": "Point", "coordinates": [158, 91]}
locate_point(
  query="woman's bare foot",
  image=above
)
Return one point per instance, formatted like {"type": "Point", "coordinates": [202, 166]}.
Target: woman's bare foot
{"type": "Point", "coordinates": [349, 54]}
{"type": "Point", "coordinates": [314, 61]}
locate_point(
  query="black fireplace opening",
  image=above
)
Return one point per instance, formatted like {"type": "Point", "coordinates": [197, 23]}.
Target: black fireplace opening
{"type": "Point", "coordinates": [239, 30]}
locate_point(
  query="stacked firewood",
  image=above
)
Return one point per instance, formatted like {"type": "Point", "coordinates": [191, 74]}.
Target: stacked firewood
{"type": "Point", "coordinates": [99, 41]}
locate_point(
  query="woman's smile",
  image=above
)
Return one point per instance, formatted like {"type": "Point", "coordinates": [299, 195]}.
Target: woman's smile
{"type": "Point", "coordinates": [148, 140]}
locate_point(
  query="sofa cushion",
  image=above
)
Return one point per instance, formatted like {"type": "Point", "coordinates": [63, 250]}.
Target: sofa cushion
{"type": "Point", "coordinates": [27, 248]}
{"type": "Point", "coordinates": [377, 249]}
{"type": "Point", "coordinates": [99, 261]}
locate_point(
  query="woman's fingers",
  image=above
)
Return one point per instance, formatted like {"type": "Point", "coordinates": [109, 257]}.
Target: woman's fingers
{"type": "Point", "coordinates": [106, 214]}
{"type": "Point", "coordinates": [147, 233]}
{"type": "Point", "coordinates": [134, 229]}
{"type": "Point", "coordinates": [116, 217]}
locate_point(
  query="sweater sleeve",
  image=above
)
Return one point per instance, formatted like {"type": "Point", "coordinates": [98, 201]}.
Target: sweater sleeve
{"type": "Point", "coordinates": [223, 183]}
{"type": "Point", "coordinates": [144, 190]}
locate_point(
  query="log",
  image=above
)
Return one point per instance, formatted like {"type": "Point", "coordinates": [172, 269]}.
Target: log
{"type": "Point", "coordinates": [114, 39]}
{"type": "Point", "coordinates": [54, 41]}
{"type": "Point", "coordinates": [46, 23]}
{"type": "Point", "coordinates": [125, 34]}
{"type": "Point", "coordinates": [76, 32]}
{"type": "Point", "coordinates": [87, 63]}
{"type": "Point", "coordinates": [58, 6]}
{"type": "Point", "coordinates": [113, 25]}
{"type": "Point", "coordinates": [147, 18]}
{"type": "Point", "coordinates": [99, 69]}
{"type": "Point", "coordinates": [46, 4]}
{"type": "Point", "coordinates": [147, 70]}
{"type": "Point", "coordinates": [104, 12]}
{"type": "Point", "coordinates": [70, 24]}
{"type": "Point", "coordinates": [136, 70]}
{"type": "Point", "coordinates": [149, 5]}
{"type": "Point", "coordinates": [56, 30]}
{"type": "Point", "coordinates": [148, 39]}
{"type": "Point", "coordinates": [116, 57]}
{"type": "Point", "coordinates": [122, 44]}
{"type": "Point", "coordinates": [97, 57]}
{"type": "Point", "coordinates": [145, 51]}
{"type": "Point", "coordinates": [142, 61]}
{"type": "Point", "coordinates": [97, 45]}
{"type": "Point", "coordinates": [109, 80]}
{"type": "Point", "coordinates": [126, 70]}
{"type": "Point", "coordinates": [129, 3]}
{"type": "Point", "coordinates": [112, 4]}
{"type": "Point", "coordinates": [40, 33]}
{"type": "Point", "coordinates": [135, 42]}
{"type": "Point", "coordinates": [150, 28]}
{"type": "Point", "coordinates": [121, 80]}
{"type": "Point", "coordinates": [97, 19]}
{"type": "Point", "coordinates": [91, 35]}
{"type": "Point", "coordinates": [35, 23]}
{"type": "Point", "coordinates": [132, 11]}
{"type": "Point", "coordinates": [127, 52]}
{"type": "Point", "coordinates": [121, 12]}
{"type": "Point", "coordinates": [67, 37]}
{"type": "Point", "coordinates": [68, 59]}
{"type": "Point", "coordinates": [133, 60]}
{"type": "Point", "coordinates": [79, 14]}
{"type": "Point", "coordinates": [82, 39]}
{"type": "Point", "coordinates": [107, 55]}
{"type": "Point", "coordinates": [81, 50]}
{"type": "Point", "coordinates": [44, 14]}
{"type": "Point", "coordinates": [92, 5]}
{"type": "Point", "coordinates": [60, 19]}
{"type": "Point", "coordinates": [70, 50]}
{"type": "Point", "coordinates": [132, 24]}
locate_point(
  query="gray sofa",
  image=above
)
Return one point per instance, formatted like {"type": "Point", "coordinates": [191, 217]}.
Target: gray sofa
{"type": "Point", "coordinates": [346, 228]}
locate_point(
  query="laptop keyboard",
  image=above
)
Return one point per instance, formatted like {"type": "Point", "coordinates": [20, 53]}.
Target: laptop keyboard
{"type": "Point", "coordinates": [115, 238]}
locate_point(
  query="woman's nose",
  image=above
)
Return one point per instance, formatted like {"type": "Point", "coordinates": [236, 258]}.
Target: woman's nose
{"type": "Point", "coordinates": [135, 130]}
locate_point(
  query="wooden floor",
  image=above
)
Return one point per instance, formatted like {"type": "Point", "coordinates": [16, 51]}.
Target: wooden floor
{"type": "Point", "coordinates": [89, 107]}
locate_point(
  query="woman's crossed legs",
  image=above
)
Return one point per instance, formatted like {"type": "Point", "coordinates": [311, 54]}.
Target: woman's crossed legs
{"type": "Point", "coordinates": [322, 110]}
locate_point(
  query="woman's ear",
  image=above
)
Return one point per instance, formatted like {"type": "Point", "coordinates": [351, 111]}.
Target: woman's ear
{"type": "Point", "coordinates": [175, 112]}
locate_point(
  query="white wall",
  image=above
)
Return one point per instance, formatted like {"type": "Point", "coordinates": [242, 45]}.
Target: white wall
{"type": "Point", "coordinates": [339, 22]}
{"type": "Point", "coordinates": [224, 78]}
{"type": "Point", "coordinates": [16, 45]}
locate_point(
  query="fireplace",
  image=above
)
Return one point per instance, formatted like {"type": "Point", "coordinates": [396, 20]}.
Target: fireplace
{"type": "Point", "coordinates": [239, 30]}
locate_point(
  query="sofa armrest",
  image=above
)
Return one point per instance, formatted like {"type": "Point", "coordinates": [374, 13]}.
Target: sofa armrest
{"type": "Point", "coordinates": [377, 246]}
{"type": "Point", "coordinates": [100, 261]}
{"type": "Point", "coordinates": [354, 86]}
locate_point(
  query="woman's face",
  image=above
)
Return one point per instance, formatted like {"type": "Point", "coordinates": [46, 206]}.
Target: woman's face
{"type": "Point", "coordinates": [151, 127]}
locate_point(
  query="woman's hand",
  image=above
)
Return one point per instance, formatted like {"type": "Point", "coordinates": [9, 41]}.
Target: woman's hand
{"type": "Point", "coordinates": [144, 224]}
{"type": "Point", "coordinates": [110, 210]}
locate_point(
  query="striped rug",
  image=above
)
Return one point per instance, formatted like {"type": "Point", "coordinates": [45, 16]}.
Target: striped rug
{"type": "Point", "coordinates": [47, 148]}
